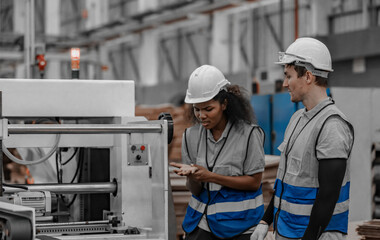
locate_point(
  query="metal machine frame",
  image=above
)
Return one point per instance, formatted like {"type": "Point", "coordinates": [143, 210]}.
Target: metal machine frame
{"type": "Point", "coordinates": [139, 183]}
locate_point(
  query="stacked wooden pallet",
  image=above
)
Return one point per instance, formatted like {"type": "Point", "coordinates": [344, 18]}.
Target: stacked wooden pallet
{"type": "Point", "coordinates": [369, 230]}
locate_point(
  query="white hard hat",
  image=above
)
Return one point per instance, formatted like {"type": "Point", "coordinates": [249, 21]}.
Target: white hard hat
{"type": "Point", "coordinates": [309, 53]}
{"type": "Point", "coordinates": [205, 83]}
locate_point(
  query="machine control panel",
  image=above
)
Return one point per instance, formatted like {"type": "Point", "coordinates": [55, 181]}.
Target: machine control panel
{"type": "Point", "coordinates": [138, 154]}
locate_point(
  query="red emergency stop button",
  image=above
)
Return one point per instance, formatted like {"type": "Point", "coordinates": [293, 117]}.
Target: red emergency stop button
{"type": "Point", "coordinates": [142, 148]}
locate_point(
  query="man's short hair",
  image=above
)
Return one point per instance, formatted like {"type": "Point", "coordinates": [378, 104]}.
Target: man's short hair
{"type": "Point", "coordinates": [301, 71]}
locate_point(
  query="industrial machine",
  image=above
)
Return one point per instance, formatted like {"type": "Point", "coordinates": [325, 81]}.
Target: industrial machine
{"type": "Point", "coordinates": [125, 156]}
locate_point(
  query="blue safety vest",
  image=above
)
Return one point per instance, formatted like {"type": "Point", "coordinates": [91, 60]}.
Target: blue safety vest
{"type": "Point", "coordinates": [296, 186]}
{"type": "Point", "coordinates": [229, 212]}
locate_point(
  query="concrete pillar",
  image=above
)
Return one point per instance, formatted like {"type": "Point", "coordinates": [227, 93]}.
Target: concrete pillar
{"type": "Point", "coordinates": [97, 13]}
{"type": "Point", "coordinates": [319, 24]}
{"type": "Point", "coordinates": [19, 16]}
{"type": "Point", "coordinates": [52, 27]}
{"type": "Point", "coordinates": [52, 16]}
{"type": "Point", "coordinates": [148, 58]}
{"type": "Point", "coordinates": [103, 57]}
{"type": "Point", "coordinates": [93, 66]}
{"type": "Point", "coordinates": [219, 56]}
{"type": "Point", "coordinates": [238, 64]}
{"type": "Point", "coordinates": [20, 71]}
{"type": "Point", "coordinates": [147, 5]}
{"type": "Point", "coordinates": [365, 15]}
{"type": "Point", "coordinates": [19, 27]}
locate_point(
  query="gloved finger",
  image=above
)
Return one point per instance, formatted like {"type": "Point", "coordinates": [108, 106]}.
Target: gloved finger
{"type": "Point", "coordinates": [254, 236]}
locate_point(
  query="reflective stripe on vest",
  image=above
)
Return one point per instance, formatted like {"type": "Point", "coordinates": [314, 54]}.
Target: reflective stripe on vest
{"type": "Point", "coordinates": [229, 213]}
{"type": "Point", "coordinates": [297, 205]}
{"type": "Point", "coordinates": [300, 186]}
{"type": "Point", "coordinates": [226, 206]}
{"type": "Point", "coordinates": [295, 225]}
{"type": "Point", "coordinates": [295, 210]}
{"type": "Point", "coordinates": [305, 209]}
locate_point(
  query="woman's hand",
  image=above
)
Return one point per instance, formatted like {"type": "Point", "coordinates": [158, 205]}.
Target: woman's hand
{"type": "Point", "coordinates": [197, 174]}
{"type": "Point", "coordinates": [183, 169]}
{"type": "Point", "coordinates": [202, 174]}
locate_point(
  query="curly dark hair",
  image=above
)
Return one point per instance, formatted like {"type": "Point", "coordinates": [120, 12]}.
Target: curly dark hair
{"type": "Point", "coordinates": [238, 105]}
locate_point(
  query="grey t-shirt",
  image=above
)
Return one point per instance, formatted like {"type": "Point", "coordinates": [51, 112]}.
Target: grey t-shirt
{"type": "Point", "coordinates": [335, 141]}
{"type": "Point", "coordinates": [254, 162]}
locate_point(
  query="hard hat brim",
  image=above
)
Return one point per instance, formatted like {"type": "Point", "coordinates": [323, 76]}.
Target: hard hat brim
{"type": "Point", "coordinates": [209, 95]}
{"type": "Point", "coordinates": [197, 100]}
{"type": "Point", "coordinates": [286, 59]}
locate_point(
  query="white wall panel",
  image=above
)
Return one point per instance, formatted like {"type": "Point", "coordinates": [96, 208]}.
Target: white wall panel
{"type": "Point", "coordinates": [360, 110]}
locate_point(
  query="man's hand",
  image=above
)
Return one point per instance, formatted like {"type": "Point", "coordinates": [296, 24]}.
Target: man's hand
{"type": "Point", "coordinates": [183, 169]}
{"type": "Point", "coordinates": [260, 231]}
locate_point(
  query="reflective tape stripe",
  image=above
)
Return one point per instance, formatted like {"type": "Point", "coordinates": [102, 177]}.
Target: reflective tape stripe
{"type": "Point", "coordinates": [305, 209]}
{"type": "Point", "coordinates": [226, 206]}
{"type": "Point", "coordinates": [197, 205]}
{"type": "Point", "coordinates": [235, 206]}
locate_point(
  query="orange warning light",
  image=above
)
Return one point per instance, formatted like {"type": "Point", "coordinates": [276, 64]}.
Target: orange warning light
{"type": "Point", "coordinates": [75, 57]}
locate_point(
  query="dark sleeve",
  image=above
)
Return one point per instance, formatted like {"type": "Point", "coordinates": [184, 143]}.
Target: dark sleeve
{"type": "Point", "coordinates": [268, 215]}
{"type": "Point", "coordinates": [330, 176]}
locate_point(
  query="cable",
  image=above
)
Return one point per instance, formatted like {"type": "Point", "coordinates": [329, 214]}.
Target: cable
{"type": "Point", "coordinates": [57, 167]}
{"type": "Point", "coordinates": [79, 167]}
{"type": "Point", "coordinates": [78, 170]}
{"type": "Point", "coordinates": [32, 162]}
{"type": "Point", "coordinates": [15, 186]}
{"type": "Point", "coordinates": [67, 161]}
{"type": "Point", "coordinates": [72, 201]}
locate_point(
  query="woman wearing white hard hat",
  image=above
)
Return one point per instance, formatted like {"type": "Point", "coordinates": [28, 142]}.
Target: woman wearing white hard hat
{"type": "Point", "coordinates": [223, 159]}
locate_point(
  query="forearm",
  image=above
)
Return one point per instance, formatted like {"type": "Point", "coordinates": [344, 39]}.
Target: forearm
{"type": "Point", "coordinates": [268, 215]}
{"type": "Point", "coordinates": [195, 187]}
{"type": "Point", "coordinates": [320, 216]}
{"type": "Point", "coordinates": [245, 183]}
{"type": "Point", "coordinates": [330, 176]}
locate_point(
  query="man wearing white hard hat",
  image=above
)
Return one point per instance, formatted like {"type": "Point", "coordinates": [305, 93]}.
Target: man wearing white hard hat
{"type": "Point", "coordinates": [223, 159]}
{"type": "Point", "coordinates": [311, 197]}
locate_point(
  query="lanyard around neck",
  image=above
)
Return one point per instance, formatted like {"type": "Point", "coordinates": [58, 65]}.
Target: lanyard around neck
{"type": "Point", "coordinates": [287, 150]}
{"type": "Point", "coordinates": [210, 168]}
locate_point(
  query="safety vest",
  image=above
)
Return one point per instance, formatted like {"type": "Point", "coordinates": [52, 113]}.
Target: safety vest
{"type": "Point", "coordinates": [296, 186]}
{"type": "Point", "coordinates": [229, 212]}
